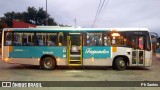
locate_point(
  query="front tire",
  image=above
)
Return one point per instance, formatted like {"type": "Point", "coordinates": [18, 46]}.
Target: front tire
{"type": "Point", "coordinates": [120, 63]}
{"type": "Point", "coordinates": [48, 63]}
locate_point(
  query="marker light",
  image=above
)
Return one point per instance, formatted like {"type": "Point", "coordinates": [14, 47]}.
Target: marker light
{"type": "Point", "coordinates": [6, 59]}
{"type": "Point", "coordinates": [115, 34]}
{"type": "Point", "coordinates": [58, 59]}
{"type": "Point", "coordinates": [92, 59]}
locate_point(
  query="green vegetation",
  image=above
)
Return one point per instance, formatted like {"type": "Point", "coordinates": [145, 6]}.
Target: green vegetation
{"type": "Point", "coordinates": [31, 15]}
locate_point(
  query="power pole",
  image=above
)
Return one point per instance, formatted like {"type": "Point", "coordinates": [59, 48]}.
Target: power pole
{"type": "Point", "coordinates": [75, 23]}
{"type": "Point", "coordinates": [46, 14]}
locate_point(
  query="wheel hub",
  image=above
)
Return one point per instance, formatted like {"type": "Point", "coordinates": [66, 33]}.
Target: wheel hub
{"type": "Point", "coordinates": [48, 64]}
{"type": "Point", "coordinates": [122, 63]}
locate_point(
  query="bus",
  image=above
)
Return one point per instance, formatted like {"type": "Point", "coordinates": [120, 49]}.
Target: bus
{"type": "Point", "coordinates": [50, 47]}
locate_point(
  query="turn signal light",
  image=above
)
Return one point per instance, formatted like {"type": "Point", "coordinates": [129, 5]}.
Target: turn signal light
{"type": "Point", "coordinates": [92, 59]}
{"type": "Point", "coordinates": [58, 59]}
{"type": "Point", "coordinates": [6, 59]}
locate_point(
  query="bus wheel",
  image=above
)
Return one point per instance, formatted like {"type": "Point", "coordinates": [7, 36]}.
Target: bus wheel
{"type": "Point", "coordinates": [48, 63]}
{"type": "Point", "coordinates": [120, 64]}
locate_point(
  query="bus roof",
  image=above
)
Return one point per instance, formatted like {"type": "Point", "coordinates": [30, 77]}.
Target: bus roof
{"type": "Point", "coordinates": [57, 28]}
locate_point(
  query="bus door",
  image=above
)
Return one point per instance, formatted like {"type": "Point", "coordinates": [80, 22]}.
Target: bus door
{"type": "Point", "coordinates": [138, 50]}
{"type": "Point", "coordinates": [74, 49]}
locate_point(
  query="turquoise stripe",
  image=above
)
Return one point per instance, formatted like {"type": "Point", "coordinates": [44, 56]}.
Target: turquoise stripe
{"type": "Point", "coordinates": [58, 51]}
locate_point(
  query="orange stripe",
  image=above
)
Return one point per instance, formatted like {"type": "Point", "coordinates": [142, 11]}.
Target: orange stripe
{"type": "Point", "coordinates": [114, 49]}
{"type": "Point", "coordinates": [10, 48]}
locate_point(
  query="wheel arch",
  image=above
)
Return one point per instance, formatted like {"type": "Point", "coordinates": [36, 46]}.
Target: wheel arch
{"type": "Point", "coordinates": [123, 56]}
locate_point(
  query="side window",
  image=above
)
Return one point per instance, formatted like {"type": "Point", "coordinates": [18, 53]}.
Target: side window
{"type": "Point", "coordinates": [27, 39]}
{"type": "Point", "coordinates": [60, 38]}
{"type": "Point", "coordinates": [148, 43]}
{"type": "Point", "coordinates": [23, 39]}
{"type": "Point", "coordinates": [131, 42]}
{"type": "Point", "coordinates": [114, 39]}
{"type": "Point", "coordinates": [107, 40]}
{"type": "Point", "coordinates": [52, 39]}
{"type": "Point", "coordinates": [134, 42]}
{"type": "Point", "coordinates": [8, 38]}
{"type": "Point", "coordinates": [141, 43]}
{"type": "Point", "coordinates": [40, 39]}
{"type": "Point", "coordinates": [17, 41]}
{"type": "Point", "coordinates": [94, 39]}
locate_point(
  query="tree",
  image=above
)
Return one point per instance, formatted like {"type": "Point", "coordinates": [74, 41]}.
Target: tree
{"type": "Point", "coordinates": [32, 16]}
{"type": "Point", "coordinates": [2, 24]}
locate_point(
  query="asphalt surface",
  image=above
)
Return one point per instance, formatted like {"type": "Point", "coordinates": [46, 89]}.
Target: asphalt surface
{"type": "Point", "coordinates": [16, 72]}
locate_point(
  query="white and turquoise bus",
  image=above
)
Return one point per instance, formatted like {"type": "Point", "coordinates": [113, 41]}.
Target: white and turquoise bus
{"type": "Point", "coordinates": [49, 47]}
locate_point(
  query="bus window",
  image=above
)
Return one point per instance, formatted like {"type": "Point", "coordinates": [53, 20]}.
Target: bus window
{"type": "Point", "coordinates": [114, 39]}
{"type": "Point", "coordinates": [8, 38]}
{"type": "Point", "coordinates": [134, 42]}
{"type": "Point", "coordinates": [51, 39]}
{"type": "Point", "coordinates": [75, 40]}
{"type": "Point", "coordinates": [137, 42]}
{"type": "Point", "coordinates": [24, 39]}
{"type": "Point", "coordinates": [148, 44]}
{"type": "Point", "coordinates": [94, 39]}
{"type": "Point", "coordinates": [17, 41]}
{"type": "Point", "coordinates": [60, 39]}
{"type": "Point", "coordinates": [28, 39]}
{"type": "Point", "coordinates": [40, 39]}
{"type": "Point", "coordinates": [118, 41]}
{"type": "Point", "coordinates": [141, 43]}
{"type": "Point", "coordinates": [107, 40]}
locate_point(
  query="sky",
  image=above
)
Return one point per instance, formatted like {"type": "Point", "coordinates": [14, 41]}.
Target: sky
{"type": "Point", "coordinates": [116, 14]}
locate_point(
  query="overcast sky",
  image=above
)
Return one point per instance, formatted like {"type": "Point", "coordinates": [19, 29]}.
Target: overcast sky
{"type": "Point", "coordinates": [117, 13]}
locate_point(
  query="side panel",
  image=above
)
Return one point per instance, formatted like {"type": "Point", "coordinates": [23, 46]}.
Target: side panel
{"type": "Point", "coordinates": [148, 58]}
{"type": "Point", "coordinates": [129, 52]}
{"type": "Point", "coordinates": [7, 59]}
{"type": "Point", "coordinates": [32, 54]}
{"type": "Point", "coordinates": [122, 51]}
{"type": "Point", "coordinates": [97, 55]}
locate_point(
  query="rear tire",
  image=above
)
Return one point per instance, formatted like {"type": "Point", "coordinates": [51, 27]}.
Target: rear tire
{"type": "Point", "coordinates": [113, 66]}
{"type": "Point", "coordinates": [120, 64]}
{"type": "Point", "coordinates": [48, 63]}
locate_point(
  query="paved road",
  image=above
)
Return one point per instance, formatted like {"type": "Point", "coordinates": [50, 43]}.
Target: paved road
{"type": "Point", "coordinates": [15, 72]}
